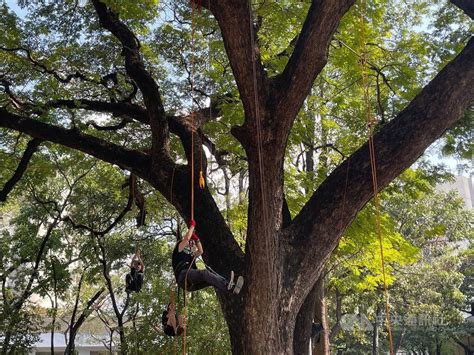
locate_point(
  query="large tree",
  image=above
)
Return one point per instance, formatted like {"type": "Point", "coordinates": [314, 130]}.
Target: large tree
{"type": "Point", "coordinates": [283, 256]}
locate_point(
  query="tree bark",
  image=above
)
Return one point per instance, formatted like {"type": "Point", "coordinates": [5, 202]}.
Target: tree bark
{"type": "Point", "coordinates": [321, 347]}
{"type": "Point", "coordinates": [304, 322]}
{"type": "Point", "coordinates": [72, 336]}
{"type": "Point", "coordinates": [466, 348]}
{"type": "Point", "coordinates": [438, 346]}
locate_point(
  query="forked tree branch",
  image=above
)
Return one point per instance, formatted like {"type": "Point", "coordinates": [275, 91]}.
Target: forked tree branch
{"type": "Point", "coordinates": [307, 60]}
{"type": "Point", "coordinates": [135, 67]}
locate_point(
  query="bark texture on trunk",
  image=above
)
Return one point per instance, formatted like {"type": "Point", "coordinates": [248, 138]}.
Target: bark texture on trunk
{"type": "Point", "coordinates": [304, 321]}
{"type": "Point", "coordinates": [321, 343]}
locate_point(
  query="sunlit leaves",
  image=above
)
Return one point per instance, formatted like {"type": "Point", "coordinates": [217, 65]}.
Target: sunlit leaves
{"type": "Point", "coordinates": [278, 26]}
{"type": "Point", "coordinates": [458, 141]}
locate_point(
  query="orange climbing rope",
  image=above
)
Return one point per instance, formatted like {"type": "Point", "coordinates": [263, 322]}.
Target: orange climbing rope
{"type": "Point", "coordinates": [194, 6]}
{"type": "Point", "coordinates": [370, 120]}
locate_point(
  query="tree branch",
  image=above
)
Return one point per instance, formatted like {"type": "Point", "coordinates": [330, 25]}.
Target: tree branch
{"type": "Point", "coordinates": [122, 124]}
{"type": "Point", "coordinates": [18, 104]}
{"type": "Point", "coordinates": [136, 69]}
{"type": "Point", "coordinates": [139, 163]}
{"type": "Point", "coordinates": [218, 154]}
{"type": "Point", "coordinates": [121, 109]}
{"type": "Point", "coordinates": [31, 148]}
{"type": "Point", "coordinates": [109, 152]}
{"type": "Point", "coordinates": [27, 292]}
{"type": "Point", "coordinates": [85, 312]}
{"type": "Point", "coordinates": [122, 214]}
{"type": "Point", "coordinates": [44, 69]}
{"type": "Point", "coordinates": [138, 113]}
{"type": "Point", "coordinates": [398, 144]}
{"type": "Point", "coordinates": [106, 274]}
{"type": "Point", "coordinates": [237, 28]}
{"type": "Point", "coordinates": [308, 59]}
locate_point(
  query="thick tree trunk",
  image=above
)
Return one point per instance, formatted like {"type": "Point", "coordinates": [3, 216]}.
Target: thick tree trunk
{"type": "Point", "coordinates": [304, 322]}
{"type": "Point", "coordinates": [264, 268]}
{"type": "Point", "coordinates": [321, 346]}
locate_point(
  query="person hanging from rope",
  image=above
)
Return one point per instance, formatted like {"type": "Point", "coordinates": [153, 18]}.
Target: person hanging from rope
{"type": "Point", "coordinates": [183, 260]}
{"type": "Point", "coordinates": [171, 321]}
{"type": "Point", "coordinates": [134, 279]}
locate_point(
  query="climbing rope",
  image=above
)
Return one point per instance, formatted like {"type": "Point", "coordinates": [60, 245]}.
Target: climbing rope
{"type": "Point", "coordinates": [370, 121]}
{"type": "Point", "coordinates": [172, 298]}
{"type": "Point", "coordinates": [259, 136]}
{"type": "Point", "coordinates": [172, 301]}
{"type": "Point", "coordinates": [185, 304]}
{"type": "Point", "coordinates": [194, 6]}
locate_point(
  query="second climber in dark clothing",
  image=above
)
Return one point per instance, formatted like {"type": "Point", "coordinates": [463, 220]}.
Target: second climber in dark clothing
{"type": "Point", "coordinates": [185, 253]}
{"type": "Point", "coordinates": [134, 279]}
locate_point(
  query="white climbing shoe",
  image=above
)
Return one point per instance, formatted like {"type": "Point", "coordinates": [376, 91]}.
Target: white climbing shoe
{"type": "Point", "coordinates": [231, 281]}
{"type": "Point", "coordinates": [238, 285]}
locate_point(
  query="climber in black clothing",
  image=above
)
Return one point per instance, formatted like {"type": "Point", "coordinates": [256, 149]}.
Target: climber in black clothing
{"type": "Point", "coordinates": [183, 256]}
{"type": "Point", "coordinates": [134, 279]}
{"type": "Point", "coordinates": [173, 324]}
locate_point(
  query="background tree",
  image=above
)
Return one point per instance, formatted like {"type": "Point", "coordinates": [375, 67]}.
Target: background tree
{"type": "Point", "coordinates": [426, 293]}
{"type": "Point", "coordinates": [76, 278]}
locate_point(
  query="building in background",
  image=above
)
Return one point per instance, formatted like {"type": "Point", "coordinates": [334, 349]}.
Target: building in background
{"type": "Point", "coordinates": [463, 185]}
{"type": "Point", "coordinates": [86, 344]}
